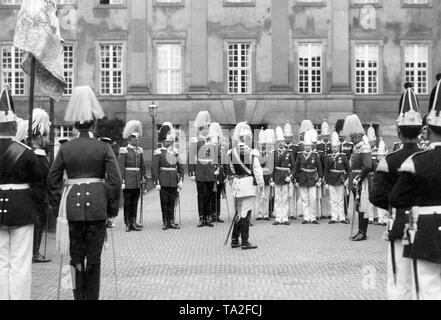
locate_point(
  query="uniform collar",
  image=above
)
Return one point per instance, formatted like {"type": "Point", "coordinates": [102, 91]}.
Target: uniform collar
{"type": "Point", "coordinates": [40, 152]}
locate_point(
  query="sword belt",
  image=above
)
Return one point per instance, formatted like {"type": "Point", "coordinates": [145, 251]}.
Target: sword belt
{"type": "Point", "coordinates": [72, 182]}
{"type": "Point", "coordinates": [168, 169]}
{"type": "Point", "coordinates": [309, 170]}
{"type": "Point", "coordinates": [337, 171]}
{"type": "Point", "coordinates": [14, 187]}
{"type": "Point", "coordinates": [133, 169]}
{"type": "Point", "coordinates": [283, 169]}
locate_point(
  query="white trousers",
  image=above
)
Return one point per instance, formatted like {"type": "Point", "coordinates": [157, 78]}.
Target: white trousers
{"type": "Point", "coordinates": [309, 203]}
{"type": "Point", "coordinates": [336, 195]}
{"type": "Point", "coordinates": [382, 215]}
{"type": "Point", "coordinates": [429, 277]}
{"type": "Point", "coordinates": [245, 205]}
{"type": "Point", "coordinates": [16, 262]}
{"type": "Point", "coordinates": [263, 203]}
{"type": "Point", "coordinates": [402, 290]}
{"type": "Point", "coordinates": [291, 200]}
{"type": "Point", "coordinates": [281, 204]}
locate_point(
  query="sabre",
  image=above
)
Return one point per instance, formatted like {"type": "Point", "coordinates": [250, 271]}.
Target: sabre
{"type": "Point", "coordinates": [141, 208]}
{"type": "Point", "coordinates": [114, 264]}
{"type": "Point", "coordinates": [319, 204]}
{"type": "Point", "coordinates": [232, 223]}
{"type": "Point", "coordinates": [353, 213]}
{"type": "Point", "coordinates": [46, 231]}
{"type": "Point", "coordinates": [224, 194]}
{"type": "Point", "coordinates": [59, 278]}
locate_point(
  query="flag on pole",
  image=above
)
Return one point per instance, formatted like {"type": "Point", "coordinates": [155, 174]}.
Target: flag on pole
{"type": "Point", "coordinates": [38, 34]}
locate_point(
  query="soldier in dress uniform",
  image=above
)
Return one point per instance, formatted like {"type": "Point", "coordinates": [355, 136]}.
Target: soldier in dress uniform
{"type": "Point", "coordinates": [267, 140]}
{"type": "Point", "coordinates": [202, 168]}
{"type": "Point", "coordinates": [347, 148]}
{"type": "Point", "coordinates": [247, 183]}
{"type": "Point", "coordinates": [216, 139]}
{"type": "Point", "coordinates": [283, 176]}
{"type": "Point", "coordinates": [361, 167]}
{"type": "Point", "coordinates": [287, 131]}
{"type": "Point", "coordinates": [399, 266]}
{"type": "Point", "coordinates": [381, 213]}
{"type": "Point", "coordinates": [40, 131]}
{"type": "Point", "coordinates": [417, 187]}
{"type": "Point", "coordinates": [372, 139]}
{"type": "Point", "coordinates": [324, 145]}
{"type": "Point", "coordinates": [90, 195]}
{"type": "Point", "coordinates": [336, 180]}
{"type": "Point", "coordinates": [134, 173]}
{"type": "Point", "coordinates": [168, 174]}
{"type": "Point", "coordinates": [308, 178]}
{"type": "Point", "coordinates": [21, 191]}
{"type": "Point", "coordinates": [321, 153]}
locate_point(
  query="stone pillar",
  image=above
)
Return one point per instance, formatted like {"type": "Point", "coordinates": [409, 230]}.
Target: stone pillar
{"type": "Point", "coordinates": [280, 44]}
{"type": "Point", "coordinates": [137, 47]}
{"type": "Point", "coordinates": [341, 79]}
{"type": "Point", "coordinates": [198, 45]}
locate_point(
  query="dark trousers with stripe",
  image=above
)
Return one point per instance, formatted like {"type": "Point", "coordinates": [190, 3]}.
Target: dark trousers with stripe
{"type": "Point", "coordinates": [131, 199]}
{"type": "Point", "coordinates": [206, 198]}
{"type": "Point", "coordinates": [168, 196]}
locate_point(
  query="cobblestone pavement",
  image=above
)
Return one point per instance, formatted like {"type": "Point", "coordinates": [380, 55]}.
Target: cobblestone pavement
{"type": "Point", "coordinates": [312, 262]}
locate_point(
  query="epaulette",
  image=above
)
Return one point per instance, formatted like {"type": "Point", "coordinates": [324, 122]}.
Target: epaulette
{"type": "Point", "coordinates": [409, 164]}
{"type": "Point", "coordinates": [123, 150]}
{"type": "Point", "coordinates": [365, 149]}
{"type": "Point", "coordinates": [255, 153]}
{"type": "Point", "coordinates": [383, 166]}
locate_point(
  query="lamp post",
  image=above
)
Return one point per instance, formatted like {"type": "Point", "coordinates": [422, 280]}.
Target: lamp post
{"type": "Point", "coordinates": [153, 110]}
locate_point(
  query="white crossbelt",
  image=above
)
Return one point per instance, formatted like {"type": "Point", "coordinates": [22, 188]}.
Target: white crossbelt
{"type": "Point", "coordinates": [14, 187]}
{"type": "Point", "coordinates": [426, 211]}
{"type": "Point", "coordinates": [72, 182]}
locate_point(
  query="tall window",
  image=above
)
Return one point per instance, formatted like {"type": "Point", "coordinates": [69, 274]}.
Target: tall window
{"type": "Point", "coordinates": [169, 69]}
{"type": "Point", "coordinates": [69, 68]}
{"type": "Point", "coordinates": [366, 69]}
{"type": "Point", "coordinates": [12, 74]}
{"type": "Point", "coordinates": [239, 68]}
{"type": "Point", "coordinates": [310, 68]}
{"type": "Point", "coordinates": [416, 66]}
{"type": "Point", "coordinates": [111, 69]}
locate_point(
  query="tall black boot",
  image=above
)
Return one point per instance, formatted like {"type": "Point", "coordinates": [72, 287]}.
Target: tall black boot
{"type": "Point", "coordinates": [361, 236]}
{"type": "Point", "coordinates": [235, 236]}
{"type": "Point", "coordinates": [245, 233]}
{"type": "Point", "coordinates": [78, 278]}
{"type": "Point", "coordinates": [92, 285]}
{"type": "Point", "coordinates": [360, 225]}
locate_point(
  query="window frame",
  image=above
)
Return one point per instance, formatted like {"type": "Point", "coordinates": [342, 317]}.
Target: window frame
{"type": "Point", "coordinates": [160, 41]}
{"type": "Point", "coordinates": [26, 77]}
{"type": "Point", "coordinates": [380, 44]}
{"type": "Point", "coordinates": [74, 44]}
{"type": "Point", "coordinates": [430, 71]}
{"type": "Point", "coordinates": [324, 44]}
{"type": "Point", "coordinates": [98, 44]}
{"type": "Point", "coordinates": [253, 79]}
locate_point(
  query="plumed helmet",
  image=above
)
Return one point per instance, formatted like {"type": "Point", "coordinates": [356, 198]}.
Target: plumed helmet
{"type": "Point", "coordinates": [133, 128]}
{"type": "Point", "coordinates": [314, 135]}
{"type": "Point", "coordinates": [270, 136]}
{"type": "Point", "coordinates": [325, 129]}
{"type": "Point", "coordinates": [22, 130]}
{"type": "Point", "coordinates": [242, 130]}
{"type": "Point", "coordinates": [287, 131]}
{"type": "Point", "coordinates": [7, 110]}
{"type": "Point", "coordinates": [166, 133]}
{"type": "Point", "coordinates": [215, 131]}
{"type": "Point", "coordinates": [335, 139]}
{"type": "Point", "coordinates": [305, 126]}
{"type": "Point", "coordinates": [353, 126]}
{"type": "Point", "coordinates": [83, 106]}
{"type": "Point", "coordinates": [409, 109]}
{"type": "Point", "coordinates": [280, 136]}
{"type": "Point", "coordinates": [308, 140]}
{"type": "Point", "coordinates": [262, 137]}
{"type": "Point", "coordinates": [203, 120]}
{"type": "Point", "coordinates": [41, 123]}
{"type": "Point", "coordinates": [382, 148]}
{"type": "Point", "coordinates": [434, 117]}
{"type": "Point", "coordinates": [372, 137]}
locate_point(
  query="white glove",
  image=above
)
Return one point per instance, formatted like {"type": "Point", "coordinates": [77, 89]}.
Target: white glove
{"type": "Point", "coordinates": [123, 186]}
{"type": "Point", "coordinates": [193, 178]}
{"type": "Point", "coordinates": [326, 186]}
{"type": "Point", "coordinates": [216, 173]}
{"type": "Point", "coordinates": [319, 184]}
{"type": "Point", "coordinates": [355, 183]}
{"type": "Point", "coordinates": [180, 185]}
{"type": "Point", "coordinates": [272, 184]}
{"type": "Point", "coordinates": [288, 180]}
{"type": "Point", "coordinates": [346, 183]}
{"type": "Point", "coordinates": [158, 188]}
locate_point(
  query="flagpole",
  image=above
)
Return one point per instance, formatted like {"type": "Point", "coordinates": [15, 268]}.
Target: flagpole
{"type": "Point", "coordinates": [52, 132]}
{"type": "Point", "coordinates": [31, 100]}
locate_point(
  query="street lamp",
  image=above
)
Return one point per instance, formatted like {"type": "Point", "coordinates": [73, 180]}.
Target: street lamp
{"type": "Point", "coordinates": [153, 110]}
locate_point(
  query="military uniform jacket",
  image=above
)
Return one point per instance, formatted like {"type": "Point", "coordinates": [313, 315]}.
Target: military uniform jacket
{"type": "Point", "coordinates": [294, 149]}
{"type": "Point", "coordinates": [326, 148]}
{"type": "Point", "coordinates": [167, 169]}
{"type": "Point", "coordinates": [18, 208]}
{"type": "Point", "coordinates": [418, 185]}
{"type": "Point", "coordinates": [203, 160]}
{"type": "Point", "coordinates": [347, 148]}
{"type": "Point", "coordinates": [86, 158]}
{"type": "Point", "coordinates": [361, 163]}
{"type": "Point", "coordinates": [44, 167]}
{"type": "Point", "coordinates": [336, 169]}
{"type": "Point", "coordinates": [132, 166]}
{"type": "Point", "coordinates": [309, 170]}
{"type": "Point", "coordinates": [284, 166]}
{"type": "Point", "coordinates": [385, 178]}
{"type": "Point", "coordinates": [267, 163]}
{"type": "Point", "coordinates": [375, 162]}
